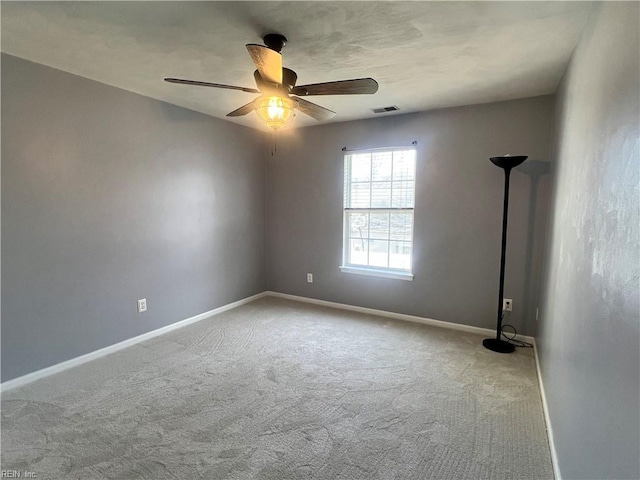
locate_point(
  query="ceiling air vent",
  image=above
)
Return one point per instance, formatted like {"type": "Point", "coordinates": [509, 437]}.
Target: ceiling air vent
{"type": "Point", "coordinates": [392, 108]}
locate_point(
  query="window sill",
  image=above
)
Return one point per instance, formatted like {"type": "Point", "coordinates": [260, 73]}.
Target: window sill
{"type": "Point", "coordinates": [377, 273]}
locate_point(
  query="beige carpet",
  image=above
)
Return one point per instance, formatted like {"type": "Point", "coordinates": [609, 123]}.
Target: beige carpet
{"type": "Point", "coordinates": [284, 390]}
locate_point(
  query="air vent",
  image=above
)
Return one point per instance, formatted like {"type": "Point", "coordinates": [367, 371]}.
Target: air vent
{"type": "Point", "coordinates": [392, 108]}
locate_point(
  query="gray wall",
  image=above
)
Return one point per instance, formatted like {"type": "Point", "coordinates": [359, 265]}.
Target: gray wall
{"type": "Point", "coordinates": [107, 197]}
{"type": "Point", "coordinates": [458, 213]}
{"type": "Point", "coordinates": [589, 340]}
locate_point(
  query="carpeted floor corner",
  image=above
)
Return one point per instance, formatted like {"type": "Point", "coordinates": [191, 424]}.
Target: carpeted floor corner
{"type": "Point", "coordinates": [279, 390]}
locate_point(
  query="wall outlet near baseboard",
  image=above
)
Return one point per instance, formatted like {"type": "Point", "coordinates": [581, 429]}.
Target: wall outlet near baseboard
{"type": "Point", "coordinates": [507, 304]}
{"type": "Point", "coordinates": [309, 277]}
{"type": "Point", "coordinates": [142, 305]}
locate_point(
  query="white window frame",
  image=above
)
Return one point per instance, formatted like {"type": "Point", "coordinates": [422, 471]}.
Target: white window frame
{"type": "Point", "coordinates": [375, 271]}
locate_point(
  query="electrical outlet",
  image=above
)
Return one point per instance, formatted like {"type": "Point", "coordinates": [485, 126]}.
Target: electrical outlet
{"type": "Point", "coordinates": [142, 305]}
{"type": "Point", "coordinates": [507, 305]}
{"type": "Point", "coordinates": [309, 277]}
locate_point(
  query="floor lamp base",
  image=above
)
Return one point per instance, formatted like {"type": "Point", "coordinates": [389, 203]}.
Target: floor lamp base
{"type": "Point", "coordinates": [499, 346]}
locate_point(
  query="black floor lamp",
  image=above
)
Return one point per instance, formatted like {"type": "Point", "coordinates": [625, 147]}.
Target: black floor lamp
{"type": "Point", "coordinates": [507, 163]}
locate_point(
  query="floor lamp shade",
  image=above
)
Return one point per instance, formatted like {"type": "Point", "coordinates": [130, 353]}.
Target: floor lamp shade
{"type": "Point", "coordinates": [506, 163]}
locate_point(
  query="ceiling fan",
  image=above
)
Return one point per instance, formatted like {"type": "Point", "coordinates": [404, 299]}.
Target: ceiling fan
{"type": "Point", "coordinates": [277, 86]}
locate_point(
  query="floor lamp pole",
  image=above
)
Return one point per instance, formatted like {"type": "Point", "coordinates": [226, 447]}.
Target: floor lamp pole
{"type": "Point", "coordinates": [507, 163]}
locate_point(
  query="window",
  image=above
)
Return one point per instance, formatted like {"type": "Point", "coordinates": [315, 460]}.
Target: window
{"type": "Point", "coordinates": [379, 193]}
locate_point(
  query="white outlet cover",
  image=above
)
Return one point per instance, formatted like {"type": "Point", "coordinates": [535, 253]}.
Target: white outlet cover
{"type": "Point", "coordinates": [507, 305]}
{"type": "Point", "coordinates": [310, 277]}
{"type": "Point", "coordinates": [142, 305]}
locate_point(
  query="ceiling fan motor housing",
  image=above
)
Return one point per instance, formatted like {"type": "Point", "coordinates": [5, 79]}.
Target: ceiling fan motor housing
{"type": "Point", "coordinates": [289, 78]}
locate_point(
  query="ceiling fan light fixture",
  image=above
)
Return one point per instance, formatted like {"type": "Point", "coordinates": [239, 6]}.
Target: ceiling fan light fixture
{"type": "Point", "coordinates": [275, 111]}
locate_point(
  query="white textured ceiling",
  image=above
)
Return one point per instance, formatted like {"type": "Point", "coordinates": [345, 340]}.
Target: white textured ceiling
{"type": "Point", "coordinates": [424, 55]}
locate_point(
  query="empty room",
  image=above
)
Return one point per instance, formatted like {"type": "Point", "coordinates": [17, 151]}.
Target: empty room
{"type": "Point", "coordinates": [320, 240]}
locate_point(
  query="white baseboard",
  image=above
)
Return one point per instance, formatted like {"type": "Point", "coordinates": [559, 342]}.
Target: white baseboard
{"type": "Point", "coordinates": [396, 316]}
{"type": "Point", "coordinates": [547, 418]}
{"type": "Point", "coordinates": [45, 372]}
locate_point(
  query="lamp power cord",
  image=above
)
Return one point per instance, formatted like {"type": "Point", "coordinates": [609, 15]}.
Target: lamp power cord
{"type": "Point", "coordinates": [512, 339]}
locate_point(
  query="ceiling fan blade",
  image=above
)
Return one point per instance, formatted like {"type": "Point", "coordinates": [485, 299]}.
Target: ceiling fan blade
{"type": "Point", "coordinates": [313, 110]}
{"type": "Point", "coordinates": [207, 84]}
{"type": "Point", "coordinates": [243, 110]}
{"type": "Point", "coordinates": [341, 87]}
{"type": "Point", "coordinates": [268, 62]}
